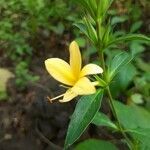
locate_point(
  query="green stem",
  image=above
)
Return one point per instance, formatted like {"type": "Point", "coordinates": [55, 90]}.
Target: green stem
{"type": "Point", "coordinates": [101, 55]}
{"type": "Point", "coordinates": [98, 33]}
{"type": "Point", "coordinates": [118, 122]}
{"type": "Point", "coordinates": [112, 105]}
{"type": "Point", "coordinates": [102, 60]}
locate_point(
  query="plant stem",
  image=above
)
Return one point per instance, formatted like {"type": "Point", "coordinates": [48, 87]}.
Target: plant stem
{"type": "Point", "coordinates": [113, 108]}
{"type": "Point", "coordinates": [131, 146]}
{"type": "Point", "coordinates": [101, 55]}
{"type": "Point", "coordinates": [116, 117]}
{"type": "Point", "coordinates": [102, 60]}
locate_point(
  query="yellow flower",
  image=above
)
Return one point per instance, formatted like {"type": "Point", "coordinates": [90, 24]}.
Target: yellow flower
{"type": "Point", "coordinates": [72, 74]}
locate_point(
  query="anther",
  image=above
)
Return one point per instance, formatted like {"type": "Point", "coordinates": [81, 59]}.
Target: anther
{"type": "Point", "coordinates": [55, 98]}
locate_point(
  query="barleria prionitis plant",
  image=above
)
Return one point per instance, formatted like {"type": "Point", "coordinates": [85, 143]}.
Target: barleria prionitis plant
{"type": "Point", "coordinates": [129, 120]}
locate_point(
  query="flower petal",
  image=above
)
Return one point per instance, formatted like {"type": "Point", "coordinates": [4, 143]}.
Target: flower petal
{"type": "Point", "coordinates": [84, 87]}
{"type": "Point", "coordinates": [68, 96]}
{"type": "Point", "coordinates": [60, 70]}
{"type": "Point", "coordinates": [90, 69]}
{"type": "Point", "coordinates": [75, 58]}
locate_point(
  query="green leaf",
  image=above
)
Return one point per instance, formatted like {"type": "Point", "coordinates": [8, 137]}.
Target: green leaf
{"type": "Point", "coordinates": [136, 48]}
{"type": "Point", "coordinates": [82, 28]}
{"type": "Point", "coordinates": [84, 113]}
{"type": "Point", "coordinates": [123, 79]}
{"type": "Point", "coordinates": [90, 51]}
{"type": "Point", "coordinates": [101, 83]}
{"type": "Point", "coordinates": [83, 3]}
{"type": "Point", "coordinates": [88, 5]}
{"type": "Point", "coordinates": [91, 30]}
{"type": "Point", "coordinates": [93, 6]}
{"type": "Point", "coordinates": [101, 119]}
{"type": "Point", "coordinates": [144, 66]}
{"type": "Point", "coordinates": [119, 19]}
{"type": "Point", "coordinates": [93, 144]}
{"type": "Point", "coordinates": [136, 121]}
{"type": "Point", "coordinates": [88, 29]}
{"type": "Point", "coordinates": [133, 116]}
{"type": "Point", "coordinates": [142, 135]}
{"type": "Point", "coordinates": [119, 61]}
{"type": "Point", "coordinates": [81, 41]}
{"type": "Point", "coordinates": [107, 34]}
{"type": "Point", "coordinates": [137, 98]}
{"type": "Point", "coordinates": [103, 6]}
{"type": "Point", "coordinates": [59, 29]}
{"type": "Point", "coordinates": [129, 37]}
{"type": "Point", "coordinates": [136, 26]}
{"type": "Point", "coordinates": [126, 75]}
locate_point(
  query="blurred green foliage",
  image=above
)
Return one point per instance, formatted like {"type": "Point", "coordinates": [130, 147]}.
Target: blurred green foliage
{"type": "Point", "coordinates": [23, 21]}
{"type": "Point", "coordinates": [23, 75]}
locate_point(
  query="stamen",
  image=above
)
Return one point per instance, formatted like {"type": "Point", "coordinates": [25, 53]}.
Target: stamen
{"type": "Point", "coordinates": [55, 98]}
{"type": "Point", "coordinates": [64, 86]}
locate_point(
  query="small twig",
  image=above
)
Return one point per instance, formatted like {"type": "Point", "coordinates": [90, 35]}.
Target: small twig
{"type": "Point", "coordinates": [46, 140]}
